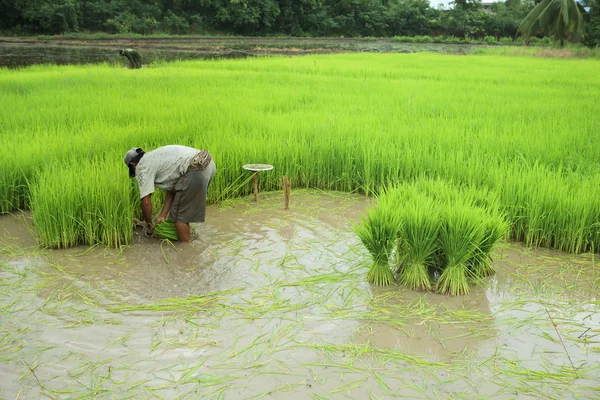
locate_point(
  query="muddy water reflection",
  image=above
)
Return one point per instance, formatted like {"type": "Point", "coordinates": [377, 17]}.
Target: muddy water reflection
{"type": "Point", "coordinates": [434, 326]}
{"type": "Point", "coordinates": [275, 303]}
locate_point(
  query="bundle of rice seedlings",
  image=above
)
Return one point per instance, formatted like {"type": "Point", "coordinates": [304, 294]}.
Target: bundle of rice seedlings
{"type": "Point", "coordinates": [166, 230]}
{"type": "Point", "coordinates": [496, 228]}
{"type": "Point", "coordinates": [418, 242]}
{"type": "Point", "coordinates": [378, 232]}
{"type": "Point", "coordinates": [461, 233]}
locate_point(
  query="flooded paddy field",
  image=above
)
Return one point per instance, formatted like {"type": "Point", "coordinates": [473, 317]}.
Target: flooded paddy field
{"type": "Point", "coordinates": [274, 304]}
{"type": "Point", "coordinates": [20, 52]}
{"type": "Point", "coordinates": [22, 55]}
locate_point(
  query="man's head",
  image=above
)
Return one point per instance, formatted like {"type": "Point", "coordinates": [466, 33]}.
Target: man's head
{"type": "Point", "coordinates": [121, 52]}
{"type": "Point", "coordinates": [132, 157]}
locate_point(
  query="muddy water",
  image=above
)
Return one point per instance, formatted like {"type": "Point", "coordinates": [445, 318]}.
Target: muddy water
{"type": "Point", "coordinates": [268, 303]}
{"type": "Point", "coordinates": [13, 56]}
{"type": "Point", "coordinates": [21, 52]}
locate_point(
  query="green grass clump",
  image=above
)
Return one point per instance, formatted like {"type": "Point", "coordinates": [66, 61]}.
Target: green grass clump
{"type": "Point", "coordinates": [461, 233]}
{"type": "Point", "coordinates": [378, 232]}
{"type": "Point", "coordinates": [166, 230]}
{"type": "Point", "coordinates": [442, 227]}
{"type": "Point", "coordinates": [417, 240]}
{"type": "Point", "coordinates": [81, 202]}
{"type": "Point", "coordinates": [495, 228]}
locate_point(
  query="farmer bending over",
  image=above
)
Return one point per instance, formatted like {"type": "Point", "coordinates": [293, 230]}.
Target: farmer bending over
{"type": "Point", "coordinates": [135, 58]}
{"type": "Point", "coordinates": [184, 173]}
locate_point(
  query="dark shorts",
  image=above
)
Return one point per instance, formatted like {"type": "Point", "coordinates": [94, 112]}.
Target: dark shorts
{"type": "Point", "coordinates": [189, 204]}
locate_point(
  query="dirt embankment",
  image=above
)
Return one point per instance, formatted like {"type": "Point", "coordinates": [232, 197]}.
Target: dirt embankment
{"type": "Point", "coordinates": [215, 43]}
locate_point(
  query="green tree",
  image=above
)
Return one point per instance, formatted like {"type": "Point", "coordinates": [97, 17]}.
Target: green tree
{"type": "Point", "coordinates": [506, 18]}
{"type": "Point", "coordinates": [124, 16]}
{"type": "Point", "coordinates": [9, 14]}
{"type": "Point", "coordinates": [591, 38]}
{"type": "Point", "coordinates": [467, 19]}
{"type": "Point", "coordinates": [296, 16]}
{"type": "Point", "coordinates": [248, 17]}
{"type": "Point", "coordinates": [410, 18]}
{"type": "Point", "coordinates": [357, 17]}
{"type": "Point", "coordinates": [52, 16]}
{"type": "Point", "coordinates": [560, 19]}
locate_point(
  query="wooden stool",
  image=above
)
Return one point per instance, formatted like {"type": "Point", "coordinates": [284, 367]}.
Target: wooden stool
{"type": "Point", "coordinates": [256, 168]}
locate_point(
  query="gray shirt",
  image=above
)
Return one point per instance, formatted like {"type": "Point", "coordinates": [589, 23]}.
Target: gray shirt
{"type": "Point", "coordinates": [163, 167]}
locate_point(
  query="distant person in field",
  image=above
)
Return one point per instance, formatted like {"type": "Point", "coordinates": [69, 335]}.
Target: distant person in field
{"type": "Point", "coordinates": [135, 58]}
{"type": "Point", "coordinates": [184, 173]}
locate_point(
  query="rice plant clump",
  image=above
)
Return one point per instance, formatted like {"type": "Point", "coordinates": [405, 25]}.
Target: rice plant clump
{"type": "Point", "coordinates": [495, 228]}
{"type": "Point", "coordinates": [461, 232]}
{"type": "Point", "coordinates": [68, 210]}
{"type": "Point", "coordinates": [417, 241]}
{"type": "Point", "coordinates": [378, 231]}
{"type": "Point", "coordinates": [439, 227]}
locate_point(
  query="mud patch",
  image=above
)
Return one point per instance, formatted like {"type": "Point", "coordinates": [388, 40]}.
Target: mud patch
{"type": "Point", "coordinates": [21, 52]}
{"type": "Point", "coordinates": [268, 303]}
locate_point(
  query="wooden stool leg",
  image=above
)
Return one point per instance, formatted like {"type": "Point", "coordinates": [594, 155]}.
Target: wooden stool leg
{"type": "Point", "coordinates": [255, 185]}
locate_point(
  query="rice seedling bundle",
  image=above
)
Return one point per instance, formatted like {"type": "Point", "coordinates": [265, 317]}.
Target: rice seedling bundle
{"type": "Point", "coordinates": [166, 230]}
{"type": "Point", "coordinates": [461, 232]}
{"type": "Point", "coordinates": [351, 122]}
{"type": "Point", "coordinates": [440, 227]}
{"type": "Point", "coordinates": [495, 228]}
{"type": "Point", "coordinates": [417, 241]}
{"type": "Point", "coordinates": [378, 231]}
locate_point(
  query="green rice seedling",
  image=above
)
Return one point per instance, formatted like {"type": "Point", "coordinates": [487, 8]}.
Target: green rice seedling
{"type": "Point", "coordinates": [166, 230]}
{"type": "Point", "coordinates": [443, 226]}
{"type": "Point", "coordinates": [417, 241]}
{"type": "Point", "coordinates": [461, 232]}
{"type": "Point", "coordinates": [378, 231]}
{"type": "Point", "coordinates": [80, 202]}
{"type": "Point", "coordinates": [444, 122]}
{"type": "Point", "coordinates": [480, 264]}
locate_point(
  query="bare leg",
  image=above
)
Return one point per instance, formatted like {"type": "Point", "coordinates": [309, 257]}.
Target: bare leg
{"type": "Point", "coordinates": [183, 231]}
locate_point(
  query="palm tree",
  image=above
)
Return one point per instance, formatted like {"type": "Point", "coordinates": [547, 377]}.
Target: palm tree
{"type": "Point", "coordinates": [557, 18]}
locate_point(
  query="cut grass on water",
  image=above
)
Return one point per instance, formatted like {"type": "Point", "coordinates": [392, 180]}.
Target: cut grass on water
{"type": "Point", "coordinates": [286, 328]}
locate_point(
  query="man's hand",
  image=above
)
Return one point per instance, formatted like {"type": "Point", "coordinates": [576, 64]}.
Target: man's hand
{"type": "Point", "coordinates": [166, 207]}
{"type": "Point", "coordinates": [148, 229]}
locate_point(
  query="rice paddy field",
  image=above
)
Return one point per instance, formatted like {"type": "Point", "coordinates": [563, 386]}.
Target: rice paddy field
{"type": "Point", "coordinates": [268, 303]}
{"type": "Point", "coordinates": [274, 305]}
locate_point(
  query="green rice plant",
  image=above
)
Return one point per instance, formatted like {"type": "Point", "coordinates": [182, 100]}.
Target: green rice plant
{"type": "Point", "coordinates": [443, 227]}
{"type": "Point", "coordinates": [461, 233]}
{"type": "Point", "coordinates": [417, 241]}
{"type": "Point", "coordinates": [166, 230]}
{"type": "Point", "coordinates": [378, 231]}
{"type": "Point", "coordinates": [496, 228]}
{"type": "Point", "coordinates": [478, 121]}
{"type": "Point", "coordinates": [81, 203]}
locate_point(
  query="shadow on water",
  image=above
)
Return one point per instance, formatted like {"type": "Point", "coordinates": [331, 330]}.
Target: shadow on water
{"type": "Point", "coordinates": [13, 56]}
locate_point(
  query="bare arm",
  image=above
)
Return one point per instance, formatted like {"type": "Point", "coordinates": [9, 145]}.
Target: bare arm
{"type": "Point", "coordinates": [166, 207]}
{"type": "Point", "coordinates": [147, 213]}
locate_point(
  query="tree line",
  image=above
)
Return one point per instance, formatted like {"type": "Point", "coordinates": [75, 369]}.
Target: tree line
{"type": "Point", "coordinates": [348, 18]}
